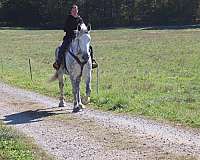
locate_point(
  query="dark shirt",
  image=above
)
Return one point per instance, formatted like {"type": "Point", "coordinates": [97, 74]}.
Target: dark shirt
{"type": "Point", "coordinates": [71, 24]}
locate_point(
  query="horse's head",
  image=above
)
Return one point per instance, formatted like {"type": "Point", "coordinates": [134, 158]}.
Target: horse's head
{"type": "Point", "coordinates": [82, 42]}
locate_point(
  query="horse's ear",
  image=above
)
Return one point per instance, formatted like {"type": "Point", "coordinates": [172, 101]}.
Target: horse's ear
{"type": "Point", "coordinates": [89, 27]}
{"type": "Point", "coordinates": [79, 27]}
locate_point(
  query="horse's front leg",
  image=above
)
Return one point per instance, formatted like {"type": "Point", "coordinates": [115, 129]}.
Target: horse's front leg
{"type": "Point", "coordinates": [61, 87]}
{"type": "Point", "coordinates": [76, 93]}
{"type": "Point", "coordinates": [88, 79]}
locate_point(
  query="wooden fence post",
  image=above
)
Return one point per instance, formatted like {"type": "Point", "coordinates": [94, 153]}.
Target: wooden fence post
{"type": "Point", "coordinates": [2, 65]}
{"type": "Point", "coordinates": [97, 84]}
{"type": "Point", "coordinates": [30, 69]}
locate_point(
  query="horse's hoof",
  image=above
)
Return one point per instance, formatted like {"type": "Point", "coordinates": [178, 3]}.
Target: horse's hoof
{"type": "Point", "coordinates": [76, 109]}
{"type": "Point", "coordinates": [81, 106]}
{"type": "Point", "coordinates": [61, 104]}
{"type": "Point", "coordinates": [86, 100]}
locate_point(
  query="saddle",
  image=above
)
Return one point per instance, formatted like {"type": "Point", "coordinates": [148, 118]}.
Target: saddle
{"type": "Point", "coordinates": [94, 63]}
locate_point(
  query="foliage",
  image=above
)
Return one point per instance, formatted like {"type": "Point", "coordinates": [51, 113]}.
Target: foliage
{"type": "Point", "coordinates": [101, 13]}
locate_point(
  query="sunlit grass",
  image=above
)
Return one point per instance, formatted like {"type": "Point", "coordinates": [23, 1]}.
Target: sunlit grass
{"type": "Point", "coordinates": [14, 146]}
{"type": "Point", "coordinates": [142, 72]}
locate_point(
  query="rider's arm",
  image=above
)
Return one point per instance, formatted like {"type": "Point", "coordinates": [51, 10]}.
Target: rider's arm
{"type": "Point", "coordinates": [67, 27]}
{"type": "Point", "coordinates": [80, 20]}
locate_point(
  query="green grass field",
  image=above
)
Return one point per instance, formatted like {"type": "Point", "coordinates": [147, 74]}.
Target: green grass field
{"type": "Point", "coordinates": [14, 146]}
{"type": "Point", "coordinates": [153, 73]}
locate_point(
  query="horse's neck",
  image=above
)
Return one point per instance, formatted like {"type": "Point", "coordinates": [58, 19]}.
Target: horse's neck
{"type": "Point", "coordinates": [73, 46]}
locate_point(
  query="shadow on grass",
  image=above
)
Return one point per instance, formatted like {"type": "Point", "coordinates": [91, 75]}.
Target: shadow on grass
{"type": "Point", "coordinates": [30, 28]}
{"type": "Point", "coordinates": [173, 27]}
{"type": "Point", "coordinates": [30, 116]}
{"type": "Point", "coordinates": [142, 27]}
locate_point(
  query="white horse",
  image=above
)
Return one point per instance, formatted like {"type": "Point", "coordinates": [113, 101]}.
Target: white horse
{"type": "Point", "coordinates": [77, 64]}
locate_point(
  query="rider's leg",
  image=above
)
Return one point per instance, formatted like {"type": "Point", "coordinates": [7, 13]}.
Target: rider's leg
{"type": "Point", "coordinates": [94, 63]}
{"type": "Point", "coordinates": [91, 52]}
{"type": "Point", "coordinates": [62, 49]}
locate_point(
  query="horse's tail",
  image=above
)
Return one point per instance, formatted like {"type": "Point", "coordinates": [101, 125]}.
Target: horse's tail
{"type": "Point", "coordinates": [53, 78]}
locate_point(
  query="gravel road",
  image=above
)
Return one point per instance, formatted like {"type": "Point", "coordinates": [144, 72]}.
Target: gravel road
{"type": "Point", "coordinates": [92, 134]}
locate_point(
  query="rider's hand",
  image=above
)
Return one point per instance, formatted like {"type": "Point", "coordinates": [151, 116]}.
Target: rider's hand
{"type": "Point", "coordinates": [75, 32]}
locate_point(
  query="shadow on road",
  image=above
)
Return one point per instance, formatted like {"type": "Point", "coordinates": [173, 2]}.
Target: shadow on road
{"type": "Point", "coordinates": [30, 116]}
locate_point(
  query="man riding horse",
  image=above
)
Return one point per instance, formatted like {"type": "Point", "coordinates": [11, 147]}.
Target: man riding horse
{"type": "Point", "coordinates": [71, 24]}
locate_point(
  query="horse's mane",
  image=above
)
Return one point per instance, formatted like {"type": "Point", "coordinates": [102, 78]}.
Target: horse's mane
{"type": "Point", "coordinates": [83, 30]}
{"type": "Point", "coordinates": [83, 27]}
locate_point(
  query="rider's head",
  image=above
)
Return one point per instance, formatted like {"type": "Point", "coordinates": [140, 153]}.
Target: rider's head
{"type": "Point", "coordinates": [74, 10]}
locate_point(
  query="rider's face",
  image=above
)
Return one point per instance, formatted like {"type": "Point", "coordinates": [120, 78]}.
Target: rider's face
{"type": "Point", "coordinates": [74, 10]}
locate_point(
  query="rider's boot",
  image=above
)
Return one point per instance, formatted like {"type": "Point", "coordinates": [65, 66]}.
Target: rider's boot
{"type": "Point", "coordinates": [94, 64]}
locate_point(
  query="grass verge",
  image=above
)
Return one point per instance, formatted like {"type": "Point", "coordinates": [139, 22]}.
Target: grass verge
{"type": "Point", "coordinates": [153, 73]}
{"type": "Point", "coordinates": [14, 146]}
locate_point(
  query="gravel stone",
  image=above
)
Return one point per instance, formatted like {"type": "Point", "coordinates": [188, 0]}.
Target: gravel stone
{"type": "Point", "coordinates": [92, 134]}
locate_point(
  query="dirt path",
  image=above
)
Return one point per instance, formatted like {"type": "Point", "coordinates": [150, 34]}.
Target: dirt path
{"type": "Point", "coordinates": [91, 134]}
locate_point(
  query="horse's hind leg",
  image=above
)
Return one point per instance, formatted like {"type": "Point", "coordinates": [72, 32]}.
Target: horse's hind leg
{"type": "Point", "coordinates": [61, 87]}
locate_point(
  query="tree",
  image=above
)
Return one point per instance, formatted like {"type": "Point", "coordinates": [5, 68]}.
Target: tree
{"type": "Point", "coordinates": [101, 13]}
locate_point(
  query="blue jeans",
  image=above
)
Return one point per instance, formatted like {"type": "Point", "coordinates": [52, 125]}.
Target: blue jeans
{"type": "Point", "coordinates": [63, 48]}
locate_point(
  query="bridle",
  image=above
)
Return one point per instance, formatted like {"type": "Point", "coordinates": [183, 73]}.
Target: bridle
{"type": "Point", "coordinates": [76, 58]}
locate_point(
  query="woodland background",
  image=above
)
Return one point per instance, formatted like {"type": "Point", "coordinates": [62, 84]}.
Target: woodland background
{"type": "Point", "coordinates": [100, 13]}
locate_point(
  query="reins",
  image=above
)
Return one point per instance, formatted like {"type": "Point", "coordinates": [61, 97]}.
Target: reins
{"type": "Point", "coordinates": [78, 60]}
